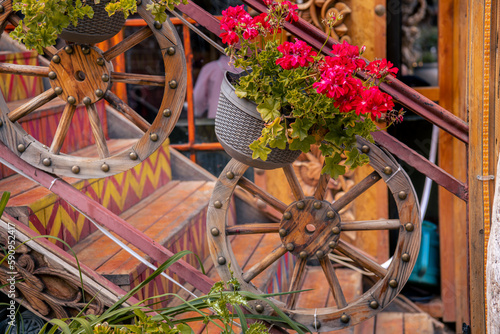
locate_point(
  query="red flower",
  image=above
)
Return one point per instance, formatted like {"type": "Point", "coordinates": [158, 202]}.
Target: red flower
{"type": "Point", "coordinates": [229, 38]}
{"type": "Point", "coordinates": [381, 68]}
{"type": "Point", "coordinates": [374, 102]}
{"type": "Point", "coordinates": [295, 55]}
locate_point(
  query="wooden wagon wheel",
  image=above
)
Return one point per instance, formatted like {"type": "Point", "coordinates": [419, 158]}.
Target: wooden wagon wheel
{"type": "Point", "coordinates": [83, 74]}
{"type": "Point", "coordinates": [310, 228]}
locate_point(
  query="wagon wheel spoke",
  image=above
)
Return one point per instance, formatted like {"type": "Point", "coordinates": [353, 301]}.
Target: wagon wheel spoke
{"type": "Point", "coordinates": [363, 259]}
{"type": "Point", "coordinates": [138, 79]}
{"type": "Point", "coordinates": [257, 191]}
{"type": "Point", "coordinates": [319, 192]}
{"type": "Point", "coordinates": [37, 71]}
{"type": "Point", "coordinates": [298, 193]}
{"type": "Point", "coordinates": [62, 128]}
{"type": "Point", "coordinates": [97, 131]}
{"type": "Point", "coordinates": [259, 267]}
{"type": "Point", "coordinates": [31, 105]}
{"type": "Point", "coordinates": [333, 281]}
{"type": "Point", "coordinates": [252, 229]}
{"type": "Point", "coordinates": [127, 111]}
{"type": "Point", "coordinates": [355, 191]}
{"type": "Point", "coordinates": [368, 225]}
{"type": "Point", "coordinates": [128, 43]}
{"type": "Point", "coordinates": [297, 276]}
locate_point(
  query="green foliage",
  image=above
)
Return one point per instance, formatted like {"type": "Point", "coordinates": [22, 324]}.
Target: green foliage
{"type": "Point", "coordinates": [45, 19]}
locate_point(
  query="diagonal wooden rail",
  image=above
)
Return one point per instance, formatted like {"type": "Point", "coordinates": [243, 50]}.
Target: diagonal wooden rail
{"type": "Point", "coordinates": [399, 91]}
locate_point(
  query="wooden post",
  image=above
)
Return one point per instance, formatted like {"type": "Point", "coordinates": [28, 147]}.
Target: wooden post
{"type": "Point", "coordinates": [452, 22]}
{"type": "Point", "coordinates": [482, 82]}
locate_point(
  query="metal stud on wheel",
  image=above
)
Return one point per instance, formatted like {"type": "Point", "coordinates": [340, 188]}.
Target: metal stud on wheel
{"type": "Point", "coordinates": [83, 75]}
{"type": "Point", "coordinates": [310, 229]}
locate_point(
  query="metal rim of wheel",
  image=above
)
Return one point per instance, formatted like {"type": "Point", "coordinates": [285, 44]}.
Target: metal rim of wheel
{"type": "Point", "coordinates": [83, 75]}
{"type": "Point", "coordinates": [306, 242]}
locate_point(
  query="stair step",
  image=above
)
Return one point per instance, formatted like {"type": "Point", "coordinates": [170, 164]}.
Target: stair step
{"type": "Point", "coordinates": [174, 216]}
{"type": "Point", "coordinates": [48, 214]}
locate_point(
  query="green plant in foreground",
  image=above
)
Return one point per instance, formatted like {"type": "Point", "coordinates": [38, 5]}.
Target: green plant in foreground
{"type": "Point", "coordinates": [44, 20]}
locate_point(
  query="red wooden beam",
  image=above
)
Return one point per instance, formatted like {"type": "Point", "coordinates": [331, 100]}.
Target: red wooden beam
{"type": "Point", "coordinates": [424, 166]}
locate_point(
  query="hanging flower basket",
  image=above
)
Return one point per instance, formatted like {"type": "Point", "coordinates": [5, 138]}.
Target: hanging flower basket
{"type": "Point", "coordinates": [238, 124]}
{"type": "Point", "coordinates": [97, 29]}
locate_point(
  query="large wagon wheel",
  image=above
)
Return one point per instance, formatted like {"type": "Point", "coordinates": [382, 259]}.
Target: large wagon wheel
{"type": "Point", "coordinates": [83, 75]}
{"type": "Point", "coordinates": [310, 228]}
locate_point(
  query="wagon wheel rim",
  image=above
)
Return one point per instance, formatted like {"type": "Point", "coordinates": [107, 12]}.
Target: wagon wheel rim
{"type": "Point", "coordinates": [83, 75]}
{"type": "Point", "coordinates": [326, 226]}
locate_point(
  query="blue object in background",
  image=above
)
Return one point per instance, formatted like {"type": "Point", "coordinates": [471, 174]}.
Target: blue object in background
{"type": "Point", "coordinates": [426, 270]}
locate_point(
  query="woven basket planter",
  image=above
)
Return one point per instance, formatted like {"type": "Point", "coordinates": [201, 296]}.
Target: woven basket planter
{"type": "Point", "coordinates": [238, 124]}
{"type": "Point", "coordinates": [97, 29]}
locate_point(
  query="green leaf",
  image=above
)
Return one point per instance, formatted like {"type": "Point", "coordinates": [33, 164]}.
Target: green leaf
{"type": "Point", "coordinates": [184, 329]}
{"type": "Point", "coordinates": [300, 128]}
{"type": "Point", "coordinates": [259, 151]}
{"type": "Point", "coordinates": [303, 145]}
{"type": "Point", "coordinates": [333, 167]}
{"type": "Point", "coordinates": [269, 109]}
{"type": "Point", "coordinates": [3, 201]}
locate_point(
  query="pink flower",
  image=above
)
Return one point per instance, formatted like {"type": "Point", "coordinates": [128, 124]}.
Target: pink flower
{"type": "Point", "coordinates": [291, 9]}
{"type": "Point", "coordinates": [381, 68]}
{"type": "Point", "coordinates": [297, 54]}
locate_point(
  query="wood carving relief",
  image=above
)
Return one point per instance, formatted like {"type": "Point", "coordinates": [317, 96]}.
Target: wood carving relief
{"type": "Point", "coordinates": [315, 11]}
{"type": "Point", "coordinates": [48, 291]}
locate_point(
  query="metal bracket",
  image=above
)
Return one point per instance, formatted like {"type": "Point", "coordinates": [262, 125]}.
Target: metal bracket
{"type": "Point", "coordinates": [485, 177]}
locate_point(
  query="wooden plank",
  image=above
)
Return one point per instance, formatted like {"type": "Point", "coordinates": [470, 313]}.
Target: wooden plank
{"type": "Point", "coordinates": [479, 115]}
{"type": "Point", "coordinates": [417, 323]}
{"type": "Point", "coordinates": [433, 93]}
{"type": "Point", "coordinates": [389, 323]}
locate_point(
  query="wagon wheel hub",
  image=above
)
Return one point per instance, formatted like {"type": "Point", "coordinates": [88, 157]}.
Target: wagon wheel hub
{"type": "Point", "coordinates": [79, 74]}
{"type": "Point", "coordinates": [310, 227]}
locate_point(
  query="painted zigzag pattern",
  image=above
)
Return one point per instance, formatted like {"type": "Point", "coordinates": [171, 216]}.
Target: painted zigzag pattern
{"type": "Point", "coordinates": [53, 216]}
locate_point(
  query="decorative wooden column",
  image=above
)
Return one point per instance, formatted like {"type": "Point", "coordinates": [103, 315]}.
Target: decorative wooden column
{"type": "Point", "coordinates": [482, 100]}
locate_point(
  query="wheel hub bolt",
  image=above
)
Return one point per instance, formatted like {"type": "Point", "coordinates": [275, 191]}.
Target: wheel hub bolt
{"type": "Point", "coordinates": [393, 283]}
{"type": "Point", "coordinates": [387, 170]}
{"type": "Point", "coordinates": [100, 61]}
{"type": "Point", "coordinates": [46, 162]}
{"type": "Point", "coordinates": [409, 227]}
{"type": "Point", "coordinates": [56, 59]}
{"type": "Point", "coordinates": [332, 244]}
{"type": "Point", "coordinates": [365, 149]}
{"type": "Point", "coordinates": [85, 50]}
{"type": "Point", "coordinates": [282, 232]}
{"type": "Point", "coordinates": [167, 113]}
{"type": "Point", "coordinates": [374, 304]}
{"type": "Point", "coordinates": [71, 100]}
{"type": "Point", "coordinates": [317, 205]}
{"type": "Point", "coordinates": [99, 93]}
{"type": "Point", "coordinates": [52, 75]}
{"type": "Point", "coordinates": [344, 318]}
{"type": "Point", "coordinates": [310, 228]}
{"type": "Point", "coordinates": [301, 205]}
{"type": "Point", "coordinates": [86, 100]}
{"type": "Point", "coordinates": [105, 168]}
{"type": "Point", "coordinates": [290, 247]}
{"type": "Point", "coordinates": [303, 254]}
{"type": "Point", "coordinates": [330, 214]}
{"type": "Point", "coordinates": [58, 90]}
{"type": "Point", "coordinates": [336, 230]}
{"type": "Point", "coordinates": [287, 215]}
{"type": "Point", "coordinates": [215, 231]}
{"type": "Point", "coordinates": [68, 49]}
{"type": "Point", "coordinates": [133, 155]}
{"type": "Point", "coordinates": [320, 254]}
{"type": "Point", "coordinates": [105, 77]}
